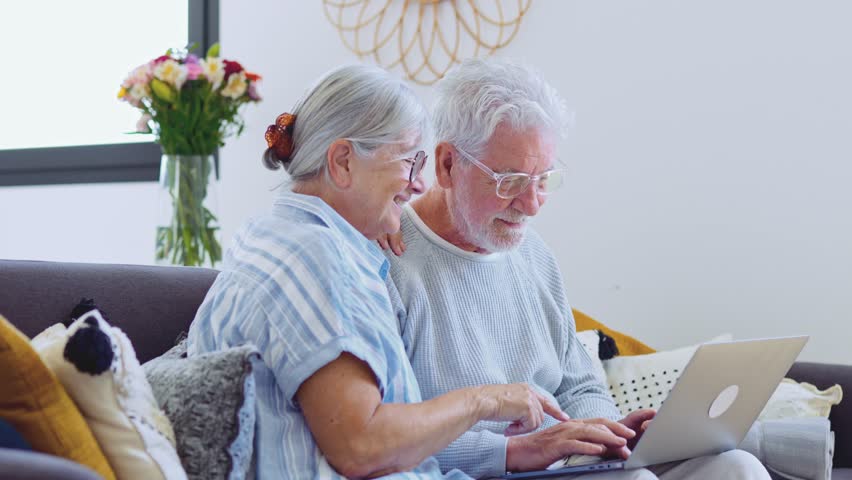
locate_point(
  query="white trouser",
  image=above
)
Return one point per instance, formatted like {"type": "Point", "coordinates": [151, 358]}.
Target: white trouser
{"type": "Point", "coordinates": [730, 465]}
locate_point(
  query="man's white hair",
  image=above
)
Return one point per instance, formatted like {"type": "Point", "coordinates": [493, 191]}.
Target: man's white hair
{"type": "Point", "coordinates": [476, 96]}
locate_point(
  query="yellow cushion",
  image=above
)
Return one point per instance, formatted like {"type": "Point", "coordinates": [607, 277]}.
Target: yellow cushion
{"type": "Point", "coordinates": [626, 344]}
{"type": "Point", "coordinates": [34, 402]}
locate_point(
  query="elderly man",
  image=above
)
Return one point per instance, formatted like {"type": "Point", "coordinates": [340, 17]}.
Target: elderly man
{"type": "Point", "coordinates": [479, 296]}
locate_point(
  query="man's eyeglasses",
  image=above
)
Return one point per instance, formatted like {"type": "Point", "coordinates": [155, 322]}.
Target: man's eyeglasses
{"type": "Point", "coordinates": [417, 164]}
{"type": "Point", "coordinates": [510, 185]}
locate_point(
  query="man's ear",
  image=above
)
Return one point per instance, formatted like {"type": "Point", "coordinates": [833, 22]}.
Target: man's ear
{"type": "Point", "coordinates": [339, 156]}
{"type": "Point", "coordinates": [445, 157]}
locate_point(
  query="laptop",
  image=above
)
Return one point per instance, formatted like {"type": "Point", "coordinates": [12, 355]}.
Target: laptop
{"type": "Point", "coordinates": [717, 398]}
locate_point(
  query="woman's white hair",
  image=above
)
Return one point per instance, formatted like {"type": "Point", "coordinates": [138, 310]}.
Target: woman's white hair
{"type": "Point", "coordinates": [363, 104]}
{"type": "Point", "coordinates": [480, 94]}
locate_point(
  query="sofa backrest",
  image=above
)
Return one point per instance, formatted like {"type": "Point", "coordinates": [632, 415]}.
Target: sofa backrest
{"type": "Point", "coordinates": [151, 304]}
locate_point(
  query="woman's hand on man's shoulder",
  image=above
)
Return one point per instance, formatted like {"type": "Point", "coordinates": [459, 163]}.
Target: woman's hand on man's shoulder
{"type": "Point", "coordinates": [392, 241]}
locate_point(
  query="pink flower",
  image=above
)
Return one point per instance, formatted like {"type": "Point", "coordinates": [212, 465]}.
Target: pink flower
{"type": "Point", "coordinates": [161, 59]}
{"type": "Point", "coordinates": [252, 92]}
{"type": "Point", "coordinates": [142, 126]}
{"type": "Point", "coordinates": [140, 74]}
{"type": "Point", "coordinates": [193, 70]}
{"type": "Point", "coordinates": [190, 59]}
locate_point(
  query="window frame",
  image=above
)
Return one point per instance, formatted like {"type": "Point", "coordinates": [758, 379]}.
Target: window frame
{"type": "Point", "coordinates": [121, 162]}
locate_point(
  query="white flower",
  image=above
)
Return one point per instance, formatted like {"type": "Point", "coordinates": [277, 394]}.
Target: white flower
{"type": "Point", "coordinates": [214, 70]}
{"type": "Point", "coordinates": [236, 86]}
{"type": "Point", "coordinates": [171, 72]}
{"type": "Point", "coordinates": [139, 91]}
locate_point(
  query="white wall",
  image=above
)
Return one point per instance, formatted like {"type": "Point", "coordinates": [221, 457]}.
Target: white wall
{"type": "Point", "coordinates": [710, 163]}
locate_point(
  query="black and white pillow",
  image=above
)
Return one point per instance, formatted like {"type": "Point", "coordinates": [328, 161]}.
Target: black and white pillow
{"type": "Point", "coordinates": [644, 381]}
{"type": "Point", "coordinates": [590, 340]}
{"type": "Point", "coordinates": [97, 365]}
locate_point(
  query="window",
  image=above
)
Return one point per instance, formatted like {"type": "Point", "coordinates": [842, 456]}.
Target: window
{"type": "Point", "coordinates": [61, 121]}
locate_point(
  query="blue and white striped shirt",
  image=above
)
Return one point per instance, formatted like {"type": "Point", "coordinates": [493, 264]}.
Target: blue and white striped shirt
{"type": "Point", "coordinates": [303, 285]}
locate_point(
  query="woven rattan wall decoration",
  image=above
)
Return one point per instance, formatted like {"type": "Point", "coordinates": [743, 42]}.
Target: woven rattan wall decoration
{"type": "Point", "coordinates": [425, 37]}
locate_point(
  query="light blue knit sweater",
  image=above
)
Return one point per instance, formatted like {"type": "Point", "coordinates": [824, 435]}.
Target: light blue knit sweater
{"type": "Point", "coordinates": [471, 319]}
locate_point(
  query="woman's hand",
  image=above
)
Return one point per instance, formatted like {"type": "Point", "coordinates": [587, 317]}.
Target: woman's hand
{"type": "Point", "coordinates": [520, 404]}
{"type": "Point", "coordinates": [392, 241]}
{"type": "Point", "coordinates": [361, 436]}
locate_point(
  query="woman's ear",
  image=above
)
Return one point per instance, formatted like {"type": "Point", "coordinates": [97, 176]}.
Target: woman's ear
{"type": "Point", "coordinates": [340, 156]}
{"type": "Point", "coordinates": [445, 157]}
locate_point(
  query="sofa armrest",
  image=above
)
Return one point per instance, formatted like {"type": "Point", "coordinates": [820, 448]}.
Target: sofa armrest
{"type": "Point", "coordinates": [824, 375]}
{"type": "Point", "coordinates": [27, 465]}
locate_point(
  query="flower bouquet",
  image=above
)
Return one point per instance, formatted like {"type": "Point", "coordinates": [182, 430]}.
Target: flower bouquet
{"type": "Point", "coordinates": [191, 105]}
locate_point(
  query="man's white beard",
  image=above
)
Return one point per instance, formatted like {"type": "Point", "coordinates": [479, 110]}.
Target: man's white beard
{"type": "Point", "coordinates": [491, 236]}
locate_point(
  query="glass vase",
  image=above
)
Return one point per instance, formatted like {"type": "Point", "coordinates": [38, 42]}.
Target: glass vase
{"type": "Point", "coordinates": [187, 223]}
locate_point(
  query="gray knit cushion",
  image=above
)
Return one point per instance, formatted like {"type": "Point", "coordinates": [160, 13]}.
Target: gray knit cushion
{"type": "Point", "coordinates": [210, 402]}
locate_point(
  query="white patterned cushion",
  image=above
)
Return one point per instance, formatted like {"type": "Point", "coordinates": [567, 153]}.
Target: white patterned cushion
{"type": "Point", "coordinates": [644, 381]}
{"type": "Point", "coordinates": [97, 365]}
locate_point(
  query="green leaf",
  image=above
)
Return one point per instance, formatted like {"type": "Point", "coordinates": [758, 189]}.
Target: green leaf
{"type": "Point", "coordinates": [213, 51]}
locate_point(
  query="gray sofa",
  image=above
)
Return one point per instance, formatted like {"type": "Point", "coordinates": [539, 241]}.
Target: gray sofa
{"type": "Point", "coordinates": [153, 305]}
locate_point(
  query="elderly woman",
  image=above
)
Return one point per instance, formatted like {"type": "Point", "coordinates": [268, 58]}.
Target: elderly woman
{"type": "Point", "coordinates": [305, 283]}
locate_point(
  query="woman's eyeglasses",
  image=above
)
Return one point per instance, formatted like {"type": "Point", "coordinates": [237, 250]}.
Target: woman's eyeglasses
{"type": "Point", "coordinates": [417, 164]}
{"type": "Point", "coordinates": [510, 185]}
